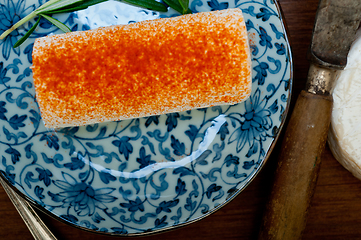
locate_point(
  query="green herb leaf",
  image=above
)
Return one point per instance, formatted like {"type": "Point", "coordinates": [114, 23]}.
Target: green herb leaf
{"type": "Point", "coordinates": [57, 23]}
{"type": "Point", "coordinates": [184, 4]}
{"type": "Point", "coordinates": [66, 6]}
{"type": "Point", "coordinates": [148, 4]}
{"type": "Point", "coordinates": [46, 5]}
{"type": "Point", "coordinates": [175, 4]}
{"type": "Point", "coordinates": [75, 7]}
{"type": "Point", "coordinates": [27, 34]}
{"type": "Point", "coordinates": [59, 4]}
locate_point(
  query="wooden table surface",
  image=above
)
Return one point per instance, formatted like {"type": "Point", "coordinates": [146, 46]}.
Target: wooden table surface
{"type": "Point", "coordinates": [335, 212]}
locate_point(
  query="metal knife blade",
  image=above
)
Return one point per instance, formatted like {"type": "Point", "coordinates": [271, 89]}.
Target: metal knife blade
{"type": "Point", "coordinates": [334, 31]}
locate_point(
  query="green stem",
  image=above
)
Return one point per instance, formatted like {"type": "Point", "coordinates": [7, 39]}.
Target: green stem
{"type": "Point", "coordinates": [27, 18]}
{"type": "Point", "coordinates": [27, 34]}
{"type": "Point", "coordinates": [47, 4]}
{"type": "Point", "coordinates": [58, 4]}
{"type": "Point", "coordinates": [18, 24]}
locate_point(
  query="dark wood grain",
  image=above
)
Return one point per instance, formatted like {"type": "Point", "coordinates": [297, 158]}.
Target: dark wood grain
{"type": "Point", "coordinates": [336, 206]}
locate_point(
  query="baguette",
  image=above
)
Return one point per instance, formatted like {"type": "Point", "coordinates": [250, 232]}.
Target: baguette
{"type": "Point", "coordinates": [141, 69]}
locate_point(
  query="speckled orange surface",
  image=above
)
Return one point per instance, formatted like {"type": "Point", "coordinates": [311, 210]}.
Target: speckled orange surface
{"type": "Point", "coordinates": [141, 69]}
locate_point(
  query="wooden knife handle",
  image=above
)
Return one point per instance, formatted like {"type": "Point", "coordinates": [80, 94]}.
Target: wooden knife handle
{"type": "Point", "coordinates": [298, 167]}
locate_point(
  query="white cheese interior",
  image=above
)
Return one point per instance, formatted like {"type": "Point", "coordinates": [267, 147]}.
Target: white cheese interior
{"type": "Point", "coordinates": [344, 136]}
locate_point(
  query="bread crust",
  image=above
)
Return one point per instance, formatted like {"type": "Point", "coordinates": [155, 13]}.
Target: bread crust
{"type": "Point", "coordinates": [141, 69]}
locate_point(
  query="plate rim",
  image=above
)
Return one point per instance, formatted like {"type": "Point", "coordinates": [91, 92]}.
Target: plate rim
{"type": "Point", "coordinates": [218, 207]}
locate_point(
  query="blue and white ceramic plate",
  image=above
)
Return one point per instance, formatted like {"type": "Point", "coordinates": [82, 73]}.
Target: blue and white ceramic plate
{"type": "Point", "coordinates": [143, 175]}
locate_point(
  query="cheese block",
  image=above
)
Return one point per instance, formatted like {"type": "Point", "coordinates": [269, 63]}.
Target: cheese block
{"type": "Point", "coordinates": [141, 69]}
{"type": "Point", "coordinates": [344, 136]}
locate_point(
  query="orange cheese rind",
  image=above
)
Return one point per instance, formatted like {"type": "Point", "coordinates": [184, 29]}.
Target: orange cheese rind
{"type": "Point", "coordinates": [141, 69]}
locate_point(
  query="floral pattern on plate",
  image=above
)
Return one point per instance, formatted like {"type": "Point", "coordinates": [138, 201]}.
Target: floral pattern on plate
{"type": "Point", "coordinates": [142, 175]}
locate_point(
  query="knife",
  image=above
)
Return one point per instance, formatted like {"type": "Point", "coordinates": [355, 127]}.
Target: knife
{"type": "Point", "coordinates": [334, 31]}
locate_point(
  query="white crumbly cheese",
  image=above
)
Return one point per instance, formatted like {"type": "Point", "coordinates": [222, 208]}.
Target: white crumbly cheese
{"type": "Point", "coordinates": [344, 136]}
